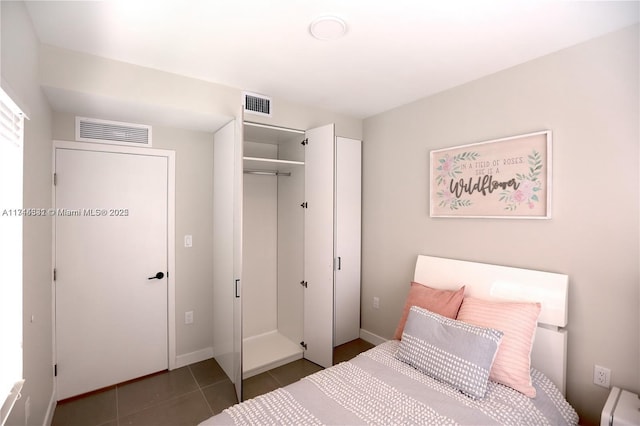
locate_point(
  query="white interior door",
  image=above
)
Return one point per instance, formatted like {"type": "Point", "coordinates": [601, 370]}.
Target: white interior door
{"type": "Point", "coordinates": [318, 245]}
{"type": "Point", "coordinates": [348, 237]}
{"type": "Point", "coordinates": [111, 232]}
{"type": "Point", "coordinates": [227, 252]}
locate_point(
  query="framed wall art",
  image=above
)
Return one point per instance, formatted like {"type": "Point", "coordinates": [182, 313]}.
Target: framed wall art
{"type": "Point", "coordinates": [501, 178]}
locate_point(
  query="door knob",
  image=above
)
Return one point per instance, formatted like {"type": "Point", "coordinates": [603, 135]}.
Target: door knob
{"type": "Point", "coordinates": [157, 276]}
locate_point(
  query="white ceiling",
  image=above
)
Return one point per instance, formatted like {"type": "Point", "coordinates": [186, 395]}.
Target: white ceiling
{"type": "Point", "coordinates": [394, 52]}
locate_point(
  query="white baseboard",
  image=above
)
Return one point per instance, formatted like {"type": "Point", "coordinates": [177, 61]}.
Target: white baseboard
{"type": "Point", "coordinates": [193, 357]}
{"type": "Point", "coordinates": [48, 417]}
{"type": "Point", "coordinates": [368, 336]}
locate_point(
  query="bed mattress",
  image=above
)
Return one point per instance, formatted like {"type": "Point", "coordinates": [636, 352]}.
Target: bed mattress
{"type": "Point", "coordinates": [377, 388]}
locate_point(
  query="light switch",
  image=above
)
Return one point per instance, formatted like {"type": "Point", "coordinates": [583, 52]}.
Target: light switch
{"type": "Point", "coordinates": [188, 241]}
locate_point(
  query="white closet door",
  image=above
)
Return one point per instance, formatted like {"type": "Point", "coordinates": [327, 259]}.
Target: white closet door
{"type": "Point", "coordinates": [348, 237]}
{"type": "Point", "coordinates": [318, 245]}
{"type": "Point", "coordinates": [238, 184]}
{"type": "Point", "coordinates": [227, 222]}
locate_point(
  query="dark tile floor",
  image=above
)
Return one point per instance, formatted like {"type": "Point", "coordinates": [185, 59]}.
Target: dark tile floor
{"type": "Point", "coordinates": [185, 396]}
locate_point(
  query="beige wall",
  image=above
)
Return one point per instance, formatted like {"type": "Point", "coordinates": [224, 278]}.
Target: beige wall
{"type": "Point", "coordinates": [194, 213]}
{"type": "Point", "coordinates": [588, 96]}
{"type": "Point", "coordinates": [160, 98]}
{"type": "Point", "coordinates": [119, 91]}
{"type": "Point", "coordinates": [20, 73]}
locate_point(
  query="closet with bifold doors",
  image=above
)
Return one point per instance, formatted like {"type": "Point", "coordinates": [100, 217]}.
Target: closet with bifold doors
{"type": "Point", "coordinates": [286, 246]}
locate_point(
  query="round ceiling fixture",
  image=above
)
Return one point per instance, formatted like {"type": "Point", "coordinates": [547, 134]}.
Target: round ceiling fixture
{"type": "Point", "coordinates": [328, 28]}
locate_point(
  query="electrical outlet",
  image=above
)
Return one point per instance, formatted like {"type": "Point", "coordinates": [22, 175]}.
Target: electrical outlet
{"type": "Point", "coordinates": [188, 317]}
{"type": "Point", "coordinates": [602, 376]}
{"type": "Point", "coordinates": [376, 302]}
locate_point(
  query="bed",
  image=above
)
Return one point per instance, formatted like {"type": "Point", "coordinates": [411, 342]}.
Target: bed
{"type": "Point", "coordinates": [476, 344]}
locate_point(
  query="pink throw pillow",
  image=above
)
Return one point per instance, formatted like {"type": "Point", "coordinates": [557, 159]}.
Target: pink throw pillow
{"type": "Point", "coordinates": [518, 322]}
{"type": "Point", "coordinates": [443, 302]}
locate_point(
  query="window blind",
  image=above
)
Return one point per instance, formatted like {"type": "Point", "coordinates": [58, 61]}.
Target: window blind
{"type": "Point", "coordinates": [11, 216]}
{"type": "Point", "coordinates": [11, 122]}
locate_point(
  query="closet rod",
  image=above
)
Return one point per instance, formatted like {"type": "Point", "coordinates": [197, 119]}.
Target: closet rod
{"type": "Point", "coordinates": [267, 173]}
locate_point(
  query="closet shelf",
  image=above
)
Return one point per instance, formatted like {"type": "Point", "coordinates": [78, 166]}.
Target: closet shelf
{"type": "Point", "coordinates": [270, 164]}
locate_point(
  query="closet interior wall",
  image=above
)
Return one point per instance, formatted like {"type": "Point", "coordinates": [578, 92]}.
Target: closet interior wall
{"type": "Point", "coordinates": [272, 250]}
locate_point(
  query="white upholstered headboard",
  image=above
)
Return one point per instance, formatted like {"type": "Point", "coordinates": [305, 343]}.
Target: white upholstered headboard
{"type": "Point", "coordinates": [495, 282]}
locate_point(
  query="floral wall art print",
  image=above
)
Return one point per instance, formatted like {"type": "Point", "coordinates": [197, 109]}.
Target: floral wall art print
{"type": "Point", "coordinates": [509, 177]}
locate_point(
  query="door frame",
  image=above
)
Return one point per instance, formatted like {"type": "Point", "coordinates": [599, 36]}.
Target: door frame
{"type": "Point", "coordinates": [171, 243]}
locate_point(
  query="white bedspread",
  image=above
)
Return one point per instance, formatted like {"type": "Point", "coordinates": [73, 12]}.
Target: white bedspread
{"type": "Point", "coordinates": [376, 388]}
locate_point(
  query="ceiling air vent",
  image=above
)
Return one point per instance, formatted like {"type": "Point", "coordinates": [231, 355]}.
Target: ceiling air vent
{"type": "Point", "coordinates": [257, 104]}
{"type": "Point", "coordinates": [112, 132]}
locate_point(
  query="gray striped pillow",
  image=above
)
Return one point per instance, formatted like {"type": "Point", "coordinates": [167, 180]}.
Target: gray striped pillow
{"type": "Point", "coordinates": [451, 351]}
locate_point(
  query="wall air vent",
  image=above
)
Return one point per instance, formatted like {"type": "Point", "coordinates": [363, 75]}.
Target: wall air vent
{"type": "Point", "coordinates": [112, 132]}
{"type": "Point", "coordinates": [256, 104]}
